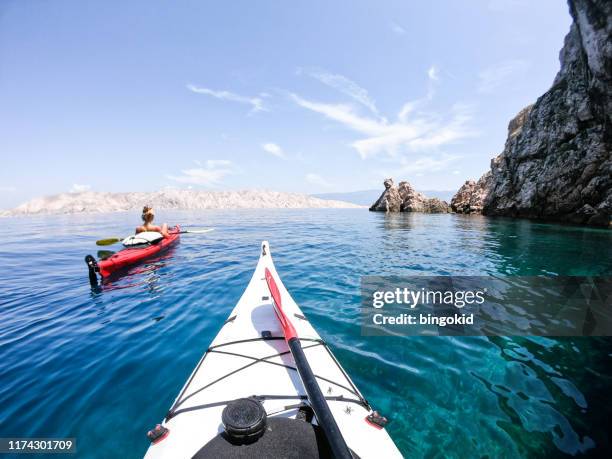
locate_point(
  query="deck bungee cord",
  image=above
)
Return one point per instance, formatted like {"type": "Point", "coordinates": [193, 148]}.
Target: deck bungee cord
{"type": "Point", "coordinates": [174, 411]}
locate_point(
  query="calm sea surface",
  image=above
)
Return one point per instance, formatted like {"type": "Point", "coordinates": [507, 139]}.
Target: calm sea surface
{"type": "Point", "coordinates": [104, 365]}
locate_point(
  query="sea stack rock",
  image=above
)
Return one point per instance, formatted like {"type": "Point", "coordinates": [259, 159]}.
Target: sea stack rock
{"type": "Point", "coordinates": [471, 196]}
{"type": "Point", "coordinates": [390, 200]}
{"type": "Point", "coordinates": [556, 163]}
{"type": "Point", "coordinates": [404, 198]}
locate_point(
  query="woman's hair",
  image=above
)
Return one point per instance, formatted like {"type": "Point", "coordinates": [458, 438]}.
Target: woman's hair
{"type": "Point", "coordinates": [147, 214]}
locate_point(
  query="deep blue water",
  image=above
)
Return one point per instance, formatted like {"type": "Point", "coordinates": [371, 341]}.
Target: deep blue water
{"type": "Point", "coordinates": [104, 365]}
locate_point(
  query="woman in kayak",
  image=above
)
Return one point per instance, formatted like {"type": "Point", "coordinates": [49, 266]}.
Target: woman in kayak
{"type": "Point", "coordinates": [147, 217]}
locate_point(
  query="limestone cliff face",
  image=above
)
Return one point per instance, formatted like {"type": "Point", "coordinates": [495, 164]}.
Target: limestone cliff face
{"type": "Point", "coordinates": [404, 198]}
{"type": "Point", "coordinates": [556, 163]}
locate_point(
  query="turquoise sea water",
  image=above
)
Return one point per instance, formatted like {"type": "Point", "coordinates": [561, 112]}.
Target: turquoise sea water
{"type": "Point", "coordinates": [104, 365]}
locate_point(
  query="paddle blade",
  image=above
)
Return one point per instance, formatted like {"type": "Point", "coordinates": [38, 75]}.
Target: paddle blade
{"type": "Point", "coordinates": [109, 241]}
{"type": "Point", "coordinates": [198, 231]}
{"type": "Point", "coordinates": [104, 254]}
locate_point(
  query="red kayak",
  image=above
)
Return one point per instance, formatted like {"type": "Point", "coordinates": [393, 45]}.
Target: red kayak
{"type": "Point", "coordinates": [129, 256]}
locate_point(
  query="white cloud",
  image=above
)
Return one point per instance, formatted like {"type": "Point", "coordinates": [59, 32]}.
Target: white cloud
{"type": "Point", "coordinates": [316, 179]}
{"type": "Point", "coordinates": [347, 87]}
{"type": "Point", "coordinates": [433, 78]}
{"type": "Point", "coordinates": [256, 103]}
{"type": "Point", "coordinates": [407, 109]}
{"type": "Point", "coordinates": [427, 164]}
{"type": "Point", "coordinates": [7, 189]}
{"type": "Point", "coordinates": [76, 188]}
{"type": "Point", "coordinates": [212, 173]}
{"type": "Point", "coordinates": [273, 149]}
{"type": "Point", "coordinates": [433, 73]}
{"type": "Point", "coordinates": [218, 163]}
{"type": "Point", "coordinates": [397, 29]}
{"type": "Point", "coordinates": [409, 134]}
{"type": "Point", "coordinates": [500, 74]}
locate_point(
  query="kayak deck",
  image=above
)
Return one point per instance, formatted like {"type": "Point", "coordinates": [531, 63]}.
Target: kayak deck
{"type": "Point", "coordinates": [250, 358]}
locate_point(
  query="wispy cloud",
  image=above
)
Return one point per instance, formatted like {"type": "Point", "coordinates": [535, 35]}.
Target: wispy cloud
{"type": "Point", "coordinates": [273, 149]}
{"type": "Point", "coordinates": [346, 86]}
{"type": "Point", "coordinates": [427, 164]}
{"type": "Point", "coordinates": [420, 166]}
{"type": "Point", "coordinates": [500, 74]}
{"type": "Point", "coordinates": [412, 132]}
{"type": "Point", "coordinates": [212, 172]}
{"type": "Point", "coordinates": [316, 179]}
{"type": "Point", "coordinates": [76, 188]}
{"type": "Point", "coordinates": [433, 78]}
{"type": "Point", "coordinates": [397, 29]}
{"type": "Point", "coordinates": [256, 103]}
{"type": "Point", "coordinates": [433, 73]}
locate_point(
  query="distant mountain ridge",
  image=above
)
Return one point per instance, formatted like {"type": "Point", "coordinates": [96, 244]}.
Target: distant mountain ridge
{"type": "Point", "coordinates": [94, 201]}
{"type": "Point", "coordinates": [369, 197]}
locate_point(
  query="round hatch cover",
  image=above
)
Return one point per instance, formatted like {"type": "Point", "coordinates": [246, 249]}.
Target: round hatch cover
{"type": "Point", "coordinates": [244, 419]}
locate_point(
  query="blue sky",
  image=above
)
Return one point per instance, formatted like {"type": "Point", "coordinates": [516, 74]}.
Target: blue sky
{"type": "Point", "coordinates": [309, 96]}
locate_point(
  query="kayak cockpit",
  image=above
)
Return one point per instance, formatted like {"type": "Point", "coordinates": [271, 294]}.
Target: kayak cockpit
{"type": "Point", "coordinates": [283, 437]}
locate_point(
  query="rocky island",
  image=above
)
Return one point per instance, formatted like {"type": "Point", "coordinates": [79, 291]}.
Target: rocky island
{"type": "Point", "coordinates": [404, 198]}
{"type": "Point", "coordinates": [556, 164]}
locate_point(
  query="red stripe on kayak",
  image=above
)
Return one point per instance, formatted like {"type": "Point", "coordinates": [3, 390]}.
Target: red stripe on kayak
{"type": "Point", "coordinates": [288, 329]}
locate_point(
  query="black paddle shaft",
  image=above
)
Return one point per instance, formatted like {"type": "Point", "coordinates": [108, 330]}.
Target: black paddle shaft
{"type": "Point", "coordinates": [319, 404]}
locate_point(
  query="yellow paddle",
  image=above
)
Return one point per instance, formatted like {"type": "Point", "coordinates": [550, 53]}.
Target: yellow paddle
{"type": "Point", "coordinates": [109, 241]}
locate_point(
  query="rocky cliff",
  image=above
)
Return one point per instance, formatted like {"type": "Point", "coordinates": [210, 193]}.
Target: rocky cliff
{"type": "Point", "coordinates": [556, 163]}
{"type": "Point", "coordinates": [404, 198]}
{"type": "Point", "coordinates": [470, 197]}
